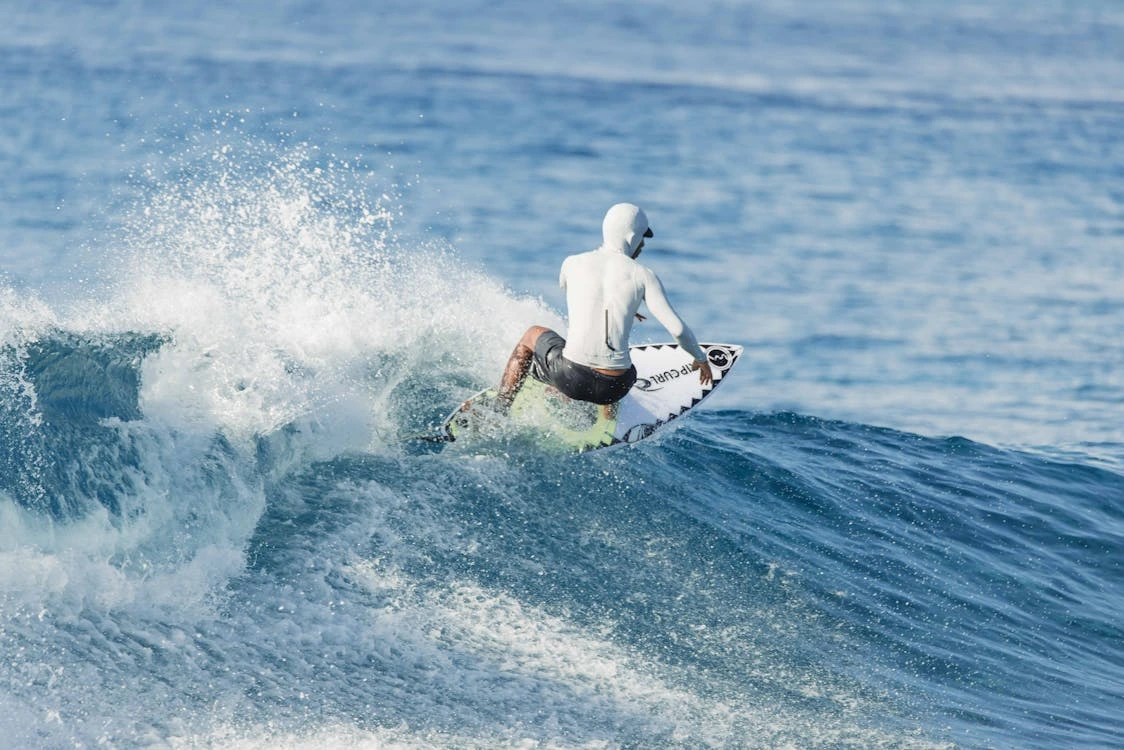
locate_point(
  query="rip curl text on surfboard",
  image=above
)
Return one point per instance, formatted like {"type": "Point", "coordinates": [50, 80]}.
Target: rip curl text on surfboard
{"type": "Point", "coordinates": [667, 375]}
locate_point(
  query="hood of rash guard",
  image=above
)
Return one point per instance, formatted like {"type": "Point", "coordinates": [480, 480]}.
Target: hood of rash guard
{"type": "Point", "coordinates": [623, 228]}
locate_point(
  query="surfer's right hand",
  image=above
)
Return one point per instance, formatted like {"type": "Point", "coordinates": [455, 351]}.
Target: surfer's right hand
{"type": "Point", "coordinates": [706, 377]}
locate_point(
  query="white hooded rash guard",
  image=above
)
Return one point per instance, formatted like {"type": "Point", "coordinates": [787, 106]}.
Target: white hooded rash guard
{"type": "Point", "coordinates": [604, 289]}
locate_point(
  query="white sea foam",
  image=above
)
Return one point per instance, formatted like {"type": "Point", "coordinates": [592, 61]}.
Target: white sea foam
{"type": "Point", "coordinates": [287, 305]}
{"type": "Point", "coordinates": [286, 297]}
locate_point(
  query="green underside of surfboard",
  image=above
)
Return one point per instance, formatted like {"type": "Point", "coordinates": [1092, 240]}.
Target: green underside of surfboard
{"type": "Point", "coordinates": [539, 413]}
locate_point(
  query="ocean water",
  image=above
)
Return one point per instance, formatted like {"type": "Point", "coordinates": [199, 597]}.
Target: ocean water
{"type": "Point", "coordinates": [243, 249]}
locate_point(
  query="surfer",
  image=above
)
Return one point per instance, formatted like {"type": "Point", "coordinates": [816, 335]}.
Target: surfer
{"type": "Point", "coordinates": [604, 289]}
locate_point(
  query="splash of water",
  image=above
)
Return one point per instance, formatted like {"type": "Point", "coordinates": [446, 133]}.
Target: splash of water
{"type": "Point", "coordinates": [258, 311]}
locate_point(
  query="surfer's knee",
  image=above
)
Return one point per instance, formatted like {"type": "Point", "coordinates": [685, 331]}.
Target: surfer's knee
{"type": "Point", "coordinates": [531, 336]}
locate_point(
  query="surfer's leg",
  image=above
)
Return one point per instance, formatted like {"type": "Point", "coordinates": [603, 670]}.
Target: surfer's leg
{"type": "Point", "coordinates": [518, 365]}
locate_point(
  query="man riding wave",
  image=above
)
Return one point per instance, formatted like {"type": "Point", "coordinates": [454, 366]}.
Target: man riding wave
{"type": "Point", "coordinates": [604, 290]}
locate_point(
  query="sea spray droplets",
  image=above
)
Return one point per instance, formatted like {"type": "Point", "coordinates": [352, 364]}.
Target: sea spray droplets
{"type": "Point", "coordinates": [289, 299]}
{"type": "Point", "coordinates": [252, 227]}
{"type": "Point", "coordinates": [252, 261]}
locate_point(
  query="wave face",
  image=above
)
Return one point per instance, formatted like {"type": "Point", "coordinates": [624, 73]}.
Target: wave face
{"type": "Point", "coordinates": [212, 537]}
{"type": "Point", "coordinates": [751, 579]}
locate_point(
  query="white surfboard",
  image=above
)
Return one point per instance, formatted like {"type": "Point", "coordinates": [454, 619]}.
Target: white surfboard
{"type": "Point", "coordinates": [666, 388]}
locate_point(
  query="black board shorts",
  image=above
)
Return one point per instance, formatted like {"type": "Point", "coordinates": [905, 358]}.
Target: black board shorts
{"type": "Point", "coordinates": [576, 381]}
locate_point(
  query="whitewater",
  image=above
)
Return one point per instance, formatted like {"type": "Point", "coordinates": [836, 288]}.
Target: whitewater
{"type": "Point", "coordinates": [245, 250]}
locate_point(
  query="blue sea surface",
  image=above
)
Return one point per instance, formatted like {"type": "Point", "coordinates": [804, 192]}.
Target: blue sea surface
{"type": "Point", "coordinates": [245, 249]}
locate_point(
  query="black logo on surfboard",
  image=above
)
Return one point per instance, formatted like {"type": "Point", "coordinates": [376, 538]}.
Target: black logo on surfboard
{"type": "Point", "coordinates": [720, 358]}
